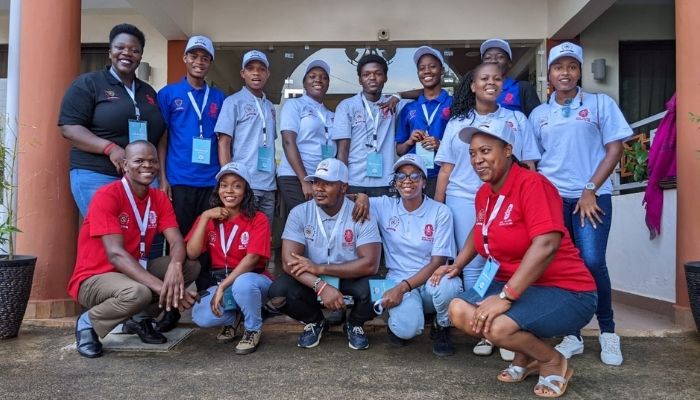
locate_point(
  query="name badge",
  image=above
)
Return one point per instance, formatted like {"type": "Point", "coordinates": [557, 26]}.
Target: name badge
{"type": "Point", "coordinates": [428, 156]}
{"type": "Point", "coordinates": [143, 263]}
{"type": "Point", "coordinates": [201, 150]}
{"type": "Point", "coordinates": [265, 159]}
{"type": "Point", "coordinates": [486, 277]}
{"type": "Point", "coordinates": [377, 288]}
{"type": "Point", "coordinates": [375, 165]}
{"type": "Point", "coordinates": [229, 302]}
{"type": "Point", "coordinates": [138, 130]}
{"type": "Point", "coordinates": [327, 151]}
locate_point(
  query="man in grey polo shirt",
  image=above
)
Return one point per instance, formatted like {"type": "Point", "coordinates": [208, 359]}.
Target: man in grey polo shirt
{"type": "Point", "coordinates": [321, 239]}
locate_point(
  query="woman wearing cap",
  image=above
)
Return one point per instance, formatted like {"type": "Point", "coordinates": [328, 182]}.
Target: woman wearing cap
{"type": "Point", "coordinates": [535, 284]}
{"type": "Point", "coordinates": [417, 233]}
{"type": "Point", "coordinates": [105, 110]}
{"type": "Point", "coordinates": [305, 124]}
{"type": "Point", "coordinates": [581, 135]}
{"type": "Point", "coordinates": [476, 102]}
{"type": "Point", "coordinates": [237, 236]}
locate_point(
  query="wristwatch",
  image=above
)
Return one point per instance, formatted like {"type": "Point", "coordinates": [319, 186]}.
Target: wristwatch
{"type": "Point", "coordinates": [316, 283]}
{"type": "Point", "coordinates": [590, 186]}
{"type": "Point", "coordinates": [503, 296]}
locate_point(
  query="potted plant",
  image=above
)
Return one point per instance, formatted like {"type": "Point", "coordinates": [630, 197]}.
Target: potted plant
{"type": "Point", "coordinates": [16, 271]}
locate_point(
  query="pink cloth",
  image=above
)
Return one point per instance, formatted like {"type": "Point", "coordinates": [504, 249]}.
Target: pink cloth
{"type": "Point", "coordinates": [661, 165]}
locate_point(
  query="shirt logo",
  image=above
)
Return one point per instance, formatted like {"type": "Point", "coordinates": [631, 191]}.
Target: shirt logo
{"type": "Point", "coordinates": [480, 216]}
{"type": "Point", "coordinates": [109, 93]}
{"type": "Point", "coordinates": [178, 105]}
{"type": "Point", "coordinates": [348, 239]}
{"type": "Point", "coordinates": [309, 232]}
{"type": "Point", "coordinates": [213, 110]}
{"type": "Point", "coordinates": [249, 111]}
{"type": "Point", "coordinates": [508, 99]}
{"type": "Point", "coordinates": [358, 118]}
{"type": "Point", "coordinates": [212, 238]}
{"type": "Point", "coordinates": [506, 216]}
{"type": "Point", "coordinates": [583, 115]}
{"type": "Point", "coordinates": [428, 232]}
{"type": "Point", "coordinates": [245, 237]}
{"type": "Point", "coordinates": [446, 113]}
{"type": "Point", "coordinates": [411, 114]}
{"type": "Point", "coordinates": [152, 219]}
{"type": "Point", "coordinates": [150, 100]}
{"type": "Point", "coordinates": [393, 224]}
{"type": "Point", "coordinates": [124, 220]}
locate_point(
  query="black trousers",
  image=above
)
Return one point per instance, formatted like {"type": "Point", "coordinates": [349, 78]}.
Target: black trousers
{"type": "Point", "coordinates": [189, 203]}
{"type": "Point", "coordinates": [291, 191]}
{"type": "Point", "coordinates": [302, 305]}
{"type": "Point", "coordinates": [372, 191]}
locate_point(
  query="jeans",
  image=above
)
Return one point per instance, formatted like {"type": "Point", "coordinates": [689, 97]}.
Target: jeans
{"type": "Point", "coordinates": [464, 215]}
{"type": "Point", "coordinates": [407, 320]}
{"type": "Point", "coordinates": [249, 291]}
{"type": "Point", "coordinates": [266, 203]}
{"type": "Point", "coordinates": [592, 243]}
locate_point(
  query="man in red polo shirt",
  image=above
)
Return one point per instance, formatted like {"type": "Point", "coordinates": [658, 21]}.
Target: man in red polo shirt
{"type": "Point", "coordinates": [113, 277]}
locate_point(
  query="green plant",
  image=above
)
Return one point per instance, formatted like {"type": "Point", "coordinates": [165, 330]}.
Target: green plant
{"type": "Point", "coordinates": [8, 227]}
{"type": "Point", "coordinates": [636, 157]}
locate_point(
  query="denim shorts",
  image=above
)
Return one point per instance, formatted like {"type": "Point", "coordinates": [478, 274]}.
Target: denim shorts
{"type": "Point", "coordinates": [545, 311]}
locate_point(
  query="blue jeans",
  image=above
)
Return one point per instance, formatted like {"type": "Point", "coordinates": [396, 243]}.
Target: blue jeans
{"type": "Point", "coordinates": [464, 215]}
{"type": "Point", "coordinates": [592, 243]}
{"type": "Point", "coordinates": [407, 320]}
{"type": "Point", "coordinates": [249, 291]}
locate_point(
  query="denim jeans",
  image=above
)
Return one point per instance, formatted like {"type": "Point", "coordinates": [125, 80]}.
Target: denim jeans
{"type": "Point", "coordinates": [464, 215]}
{"type": "Point", "coordinates": [592, 243]}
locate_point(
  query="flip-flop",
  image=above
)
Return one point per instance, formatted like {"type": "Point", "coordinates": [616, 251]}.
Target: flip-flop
{"type": "Point", "coordinates": [517, 373]}
{"type": "Point", "coordinates": [550, 382]}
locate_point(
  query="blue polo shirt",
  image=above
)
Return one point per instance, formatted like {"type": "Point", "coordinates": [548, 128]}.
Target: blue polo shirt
{"type": "Point", "coordinates": [183, 126]}
{"type": "Point", "coordinates": [510, 96]}
{"type": "Point", "coordinates": [412, 118]}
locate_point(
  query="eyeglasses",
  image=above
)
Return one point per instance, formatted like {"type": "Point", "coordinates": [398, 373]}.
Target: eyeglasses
{"type": "Point", "coordinates": [413, 176]}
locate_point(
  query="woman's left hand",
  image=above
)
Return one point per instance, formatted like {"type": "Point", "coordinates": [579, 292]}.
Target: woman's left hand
{"type": "Point", "coordinates": [487, 311]}
{"type": "Point", "coordinates": [587, 207]}
{"type": "Point", "coordinates": [216, 301]}
{"type": "Point", "coordinates": [431, 143]}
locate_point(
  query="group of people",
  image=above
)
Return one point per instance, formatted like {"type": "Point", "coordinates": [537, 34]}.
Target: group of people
{"type": "Point", "coordinates": [492, 210]}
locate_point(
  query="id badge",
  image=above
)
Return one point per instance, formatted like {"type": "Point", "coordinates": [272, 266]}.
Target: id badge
{"type": "Point", "coordinates": [143, 263]}
{"type": "Point", "coordinates": [265, 159]}
{"type": "Point", "coordinates": [201, 150]}
{"type": "Point", "coordinates": [327, 151]}
{"type": "Point", "coordinates": [375, 165]}
{"type": "Point", "coordinates": [428, 156]}
{"type": "Point", "coordinates": [229, 302]}
{"type": "Point", "coordinates": [486, 277]}
{"type": "Point", "coordinates": [138, 130]}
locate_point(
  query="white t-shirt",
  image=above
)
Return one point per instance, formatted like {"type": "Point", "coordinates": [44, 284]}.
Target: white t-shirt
{"type": "Point", "coordinates": [572, 147]}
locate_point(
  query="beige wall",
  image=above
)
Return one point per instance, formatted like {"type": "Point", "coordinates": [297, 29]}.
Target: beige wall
{"type": "Point", "coordinates": [601, 39]}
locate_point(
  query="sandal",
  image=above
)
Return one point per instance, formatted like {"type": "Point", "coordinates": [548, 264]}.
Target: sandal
{"type": "Point", "coordinates": [555, 383]}
{"type": "Point", "coordinates": [515, 373]}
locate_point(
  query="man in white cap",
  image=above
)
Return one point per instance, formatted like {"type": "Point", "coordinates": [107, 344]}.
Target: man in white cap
{"type": "Point", "coordinates": [321, 239]}
{"type": "Point", "coordinates": [190, 108]}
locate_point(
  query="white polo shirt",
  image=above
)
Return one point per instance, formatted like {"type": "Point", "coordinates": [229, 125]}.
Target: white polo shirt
{"type": "Point", "coordinates": [240, 119]}
{"type": "Point", "coordinates": [412, 238]}
{"type": "Point", "coordinates": [304, 116]}
{"type": "Point", "coordinates": [352, 121]}
{"type": "Point", "coordinates": [302, 227]}
{"type": "Point", "coordinates": [573, 147]}
{"type": "Point", "coordinates": [464, 182]}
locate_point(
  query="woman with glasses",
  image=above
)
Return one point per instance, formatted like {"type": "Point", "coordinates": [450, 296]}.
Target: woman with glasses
{"type": "Point", "coordinates": [580, 135]}
{"type": "Point", "coordinates": [417, 234]}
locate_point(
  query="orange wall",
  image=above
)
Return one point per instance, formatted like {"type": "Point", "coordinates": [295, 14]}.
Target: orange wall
{"type": "Point", "coordinates": [176, 68]}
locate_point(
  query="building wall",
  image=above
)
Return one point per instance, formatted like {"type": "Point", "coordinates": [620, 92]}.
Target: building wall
{"type": "Point", "coordinates": [601, 39]}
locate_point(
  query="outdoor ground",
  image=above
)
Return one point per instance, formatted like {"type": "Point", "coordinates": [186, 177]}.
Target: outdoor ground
{"type": "Point", "coordinates": [40, 364]}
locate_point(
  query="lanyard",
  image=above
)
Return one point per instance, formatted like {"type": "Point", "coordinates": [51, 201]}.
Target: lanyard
{"type": "Point", "coordinates": [131, 91]}
{"type": "Point", "coordinates": [430, 119]}
{"type": "Point", "coordinates": [492, 216]}
{"type": "Point", "coordinates": [199, 110]}
{"type": "Point", "coordinates": [374, 142]}
{"type": "Point", "coordinates": [262, 118]}
{"type": "Point", "coordinates": [329, 240]}
{"type": "Point", "coordinates": [226, 243]}
{"type": "Point", "coordinates": [141, 221]}
{"type": "Point", "coordinates": [322, 117]}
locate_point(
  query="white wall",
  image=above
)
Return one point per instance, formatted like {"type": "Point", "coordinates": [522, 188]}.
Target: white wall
{"type": "Point", "coordinates": [638, 265]}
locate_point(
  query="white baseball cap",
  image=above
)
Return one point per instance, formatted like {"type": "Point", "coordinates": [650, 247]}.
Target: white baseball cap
{"type": "Point", "coordinates": [255, 55]}
{"type": "Point", "coordinates": [234, 168]}
{"type": "Point", "coordinates": [330, 170]}
{"type": "Point", "coordinates": [496, 43]}
{"type": "Point", "coordinates": [411, 159]}
{"type": "Point", "coordinates": [318, 64]}
{"type": "Point", "coordinates": [423, 50]}
{"type": "Point", "coordinates": [496, 128]}
{"type": "Point", "coordinates": [566, 49]}
{"type": "Point", "coordinates": [200, 42]}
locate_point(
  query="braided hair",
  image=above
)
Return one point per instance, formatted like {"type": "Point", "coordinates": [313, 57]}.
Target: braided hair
{"type": "Point", "coordinates": [464, 100]}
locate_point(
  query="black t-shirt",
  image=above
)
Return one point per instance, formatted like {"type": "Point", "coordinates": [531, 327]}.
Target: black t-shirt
{"type": "Point", "coordinates": [99, 102]}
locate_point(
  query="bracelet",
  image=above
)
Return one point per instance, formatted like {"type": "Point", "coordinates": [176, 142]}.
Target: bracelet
{"type": "Point", "coordinates": [407, 284]}
{"type": "Point", "coordinates": [317, 282]}
{"type": "Point", "coordinates": [108, 148]}
{"type": "Point", "coordinates": [511, 293]}
{"type": "Point", "coordinates": [321, 288]}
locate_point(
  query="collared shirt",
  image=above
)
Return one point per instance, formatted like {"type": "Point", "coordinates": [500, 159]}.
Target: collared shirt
{"type": "Point", "coordinates": [100, 103]}
{"type": "Point", "coordinates": [464, 182]}
{"type": "Point", "coordinates": [531, 208]}
{"type": "Point", "coordinates": [412, 118]}
{"type": "Point", "coordinates": [572, 147]}
{"type": "Point", "coordinates": [301, 115]}
{"type": "Point", "coordinates": [411, 238]}
{"type": "Point", "coordinates": [302, 227]}
{"type": "Point", "coordinates": [183, 125]}
{"type": "Point", "coordinates": [352, 122]}
{"type": "Point", "coordinates": [510, 95]}
{"type": "Point", "coordinates": [241, 120]}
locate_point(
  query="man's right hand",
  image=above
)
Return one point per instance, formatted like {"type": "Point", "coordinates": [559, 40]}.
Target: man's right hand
{"type": "Point", "coordinates": [332, 299]}
{"type": "Point", "coordinates": [187, 300]}
{"type": "Point", "coordinates": [165, 187]}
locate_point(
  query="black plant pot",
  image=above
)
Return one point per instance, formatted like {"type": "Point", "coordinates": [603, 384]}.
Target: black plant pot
{"type": "Point", "coordinates": [15, 285]}
{"type": "Point", "coordinates": [692, 278]}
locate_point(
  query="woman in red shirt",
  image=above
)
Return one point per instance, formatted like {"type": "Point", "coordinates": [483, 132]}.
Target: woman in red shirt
{"type": "Point", "coordinates": [237, 237]}
{"type": "Point", "coordinates": [534, 284]}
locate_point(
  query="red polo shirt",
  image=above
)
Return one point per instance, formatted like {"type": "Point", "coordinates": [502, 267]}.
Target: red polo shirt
{"type": "Point", "coordinates": [110, 213]}
{"type": "Point", "coordinates": [532, 207]}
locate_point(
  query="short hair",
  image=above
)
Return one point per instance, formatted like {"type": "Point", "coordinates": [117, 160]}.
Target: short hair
{"type": "Point", "coordinates": [372, 58]}
{"type": "Point", "coordinates": [128, 29]}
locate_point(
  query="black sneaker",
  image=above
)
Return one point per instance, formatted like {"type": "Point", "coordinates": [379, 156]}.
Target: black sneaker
{"type": "Point", "coordinates": [395, 340]}
{"type": "Point", "coordinates": [145, 330]}
{"type": "Point", "coordinates": [169, 321]}
{"type": "Point", "coordinates": [357, 338]}
{"type": "Point", "coordinates": [442, 344]}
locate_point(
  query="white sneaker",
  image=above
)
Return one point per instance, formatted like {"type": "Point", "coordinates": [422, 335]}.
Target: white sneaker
{"type": "Point", "coordinates": [506, 355]}
{"type": "Point", "coordinates": [610, 352]}
{"type": "Point", "coordinates": [483, 348]}
{"type": "Point", "coordinates": [570, 346]}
